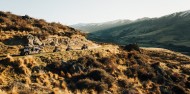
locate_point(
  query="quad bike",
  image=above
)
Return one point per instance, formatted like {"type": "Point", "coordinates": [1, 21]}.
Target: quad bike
{"type": "Point", "coordinates": [29, 50]}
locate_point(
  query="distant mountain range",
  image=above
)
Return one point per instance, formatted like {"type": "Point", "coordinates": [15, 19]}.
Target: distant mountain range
{"type": "Point", "coordinates": [93, 27]}
{"type": "Point", "coordinates": [62, 67]}
{"type": "Point", "coordinates": [170, 31]}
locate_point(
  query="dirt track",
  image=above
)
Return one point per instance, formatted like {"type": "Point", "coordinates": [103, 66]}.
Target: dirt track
{"type": "Point", "coordinates": [105, 50]}
{"type": "Point", "coordinates": [166, 51]}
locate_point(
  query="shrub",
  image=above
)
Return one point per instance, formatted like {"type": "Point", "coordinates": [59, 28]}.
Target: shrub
{"type": "Point", "coordinates": [90, 84]}
{"type": "Point", "coordinates": [131, 91]}
{"type": "Point", "coordinates": [131, 47]}
{"type": "Point", "coordinates": [25, 70]}
{"type": "Point", "coordinates": [54, 67]}
{"type": "Point", "coordinates": [187, 84]}
{"type": "Point", "coordinates": [176, 77]}
{"type": "Point", "coordinates": [2, 80]}
{"type": "Point", "coordinates": [56, 91]}
{"type": "Point", "coordinates": [145, 74]}
{"type": "Point", "coordinates": [179, 90]}
{"type": "Point", "coordinates": [27, 80]}
{"type": "Point", "coordinates": [165, 90]}
{"type": "Point", "coordinates": [2, 92]}
{"type": "Point", "coordinates": [131, 72]}
{"type": "Point", "coordinates": [100, 75]}
{"type": "Point", "coordinates": [185, 70]}
{"type": "Point", "coordinates": [110, 63]}
{"type": "Point", "coordinates": [2, 14]}
{"type": "Point", "coordinates": [123, 83]}
{"type": "Point", "coordinates": [64, 85]}
{"type": "Point", "coordinates": [20, 67]}
{"type": "Point", "coordinates": [89, 61]}
{"type": "Point", "coordinates": [30, 61]}
{"type": "Point", "coordinates": [1, 20]}
{"type": "Point", "coordinates": [20, 88]}
{"type": "Point", "coordinates": [9, 58]}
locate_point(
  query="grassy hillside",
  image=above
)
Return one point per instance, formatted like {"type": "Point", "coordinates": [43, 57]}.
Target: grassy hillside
{"type": "Point", "coordinates": [11, 22]}
{"type": "Point", "coordinates": [106, 69]}
{"type": "Point", "coordinates": [100, 69]}
{"type": "Point", "coordinates": [15, 29]}
{"type": "Point", "coordinates": [171, 31]}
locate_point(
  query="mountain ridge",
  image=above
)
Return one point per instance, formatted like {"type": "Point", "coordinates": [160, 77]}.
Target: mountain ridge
{"type": "Point", "coordinates": [170, 31]}
{"type": "Point", "coordinates": [63, 66]}
{"type": "Point", "coordinates": [99, 26]}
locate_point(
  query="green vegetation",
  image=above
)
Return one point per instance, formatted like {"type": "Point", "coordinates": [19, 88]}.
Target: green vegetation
{"type": "Point", "coordinates": [171, 31]}
{"type": "Point", "coordinates": [99, 69]}
{"type": "Point", "coordinates": [93, 27]}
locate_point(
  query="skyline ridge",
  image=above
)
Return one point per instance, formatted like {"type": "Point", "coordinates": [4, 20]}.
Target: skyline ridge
{"type": "Point", "coordinates": [96, 11]}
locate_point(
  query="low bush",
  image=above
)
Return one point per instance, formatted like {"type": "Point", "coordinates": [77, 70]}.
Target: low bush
{"type": "Point", "coordinates": [90, 84]}
{"type": "Point", "coordinates": [178, 90]}
{"type": "Point", "coordinates": [100, 75]}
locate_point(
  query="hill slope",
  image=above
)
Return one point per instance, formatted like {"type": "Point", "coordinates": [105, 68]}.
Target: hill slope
{"type": "Point", "coordinates": [171, 31]}
{"type": "Point", "coordinates": [100, 69]}
{"type": "Point", "coordinates": [18, 31]}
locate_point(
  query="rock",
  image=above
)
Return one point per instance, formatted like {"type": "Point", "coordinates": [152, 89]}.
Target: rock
{"type": "Point", "coordinates": [37, 41]}
{"type": "Point", "coordinates": [30, 39]}
{"type": "Point", "coordinates": [33, 40]}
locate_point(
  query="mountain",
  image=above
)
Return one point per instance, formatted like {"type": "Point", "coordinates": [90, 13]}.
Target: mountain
{"type": "Point", "coordinates": [170, 31]}
{"type": "Point", "coordinates": [18, 31]}
{"type": "Point", "coordinates": [100, 69]}
{"type": "Point", "coordinates": [93, 27]}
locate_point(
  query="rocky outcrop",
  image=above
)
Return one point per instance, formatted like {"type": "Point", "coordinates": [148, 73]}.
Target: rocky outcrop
{"type": "Point", "coordinates": [33, 40]}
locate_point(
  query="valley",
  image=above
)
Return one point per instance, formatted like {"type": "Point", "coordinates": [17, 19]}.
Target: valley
{"type": "Point", "coordinates": [100, 68]}
{"type": "Point", "coordinates": [169, 31]}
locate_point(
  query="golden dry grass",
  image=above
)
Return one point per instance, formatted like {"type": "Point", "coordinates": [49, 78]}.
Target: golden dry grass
{"type": "Point", "coordinates": [115, 72]}
{"type": "Point", "coordinates": [101, 69]}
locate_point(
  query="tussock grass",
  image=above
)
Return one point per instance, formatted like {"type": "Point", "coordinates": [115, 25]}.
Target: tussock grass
{"type": "Point", "coordinates": [90, 84]}
{"type": "Point", "coordinates": [115, 73]}
{"type": "Point", "coordinates": [2, 92]}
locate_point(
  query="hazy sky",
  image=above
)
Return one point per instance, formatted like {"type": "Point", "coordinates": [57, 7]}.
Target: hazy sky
{"type": "Point", "coordinates": [92, 11]}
